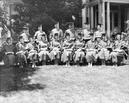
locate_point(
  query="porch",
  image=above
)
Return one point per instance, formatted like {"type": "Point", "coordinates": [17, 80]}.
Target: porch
{"type": "Point", "coordinates": [109, 13]}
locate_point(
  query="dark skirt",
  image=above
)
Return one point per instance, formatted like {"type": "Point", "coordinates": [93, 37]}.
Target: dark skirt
{"type": "Point", "coordinates": [9, 60]}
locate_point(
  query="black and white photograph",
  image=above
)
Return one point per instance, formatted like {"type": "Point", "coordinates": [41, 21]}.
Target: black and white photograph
{"type": "Point", "coordinates": [64, 51]}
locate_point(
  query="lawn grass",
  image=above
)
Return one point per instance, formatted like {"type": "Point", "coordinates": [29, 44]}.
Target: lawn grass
{"type": "Point", "coordinates": [60, 84]}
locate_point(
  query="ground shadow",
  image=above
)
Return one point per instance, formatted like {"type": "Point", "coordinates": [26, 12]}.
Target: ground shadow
{"type": "Point", "coordinates": [15, 79]}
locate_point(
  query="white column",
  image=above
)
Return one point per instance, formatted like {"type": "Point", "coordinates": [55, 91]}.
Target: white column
{"type": "Point", "coordinates": [84, 13]}
{"type": "Point", "coordinates": [83, 16]}
{"type": "Point", "coordinates": [128, 13]}
{"type": "Point", "coordinates": [92, 17]}
{"type": "Point", "coordinates": [95, 15]}
{"type": "Point", "coordinates": [103, 15]}
{"type": "Point", "coordinates": [119, 17]}
{"type": "Point", "coordinates": [100, 13]}
{"type": "Point", "coordinates": [113, 20]}
{"type": "Point", "coordinates": [108, 19]}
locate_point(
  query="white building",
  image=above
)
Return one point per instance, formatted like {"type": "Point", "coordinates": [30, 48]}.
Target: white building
{"type": "Point", "coordinates": [109, 13]}
{"type": "Point", "coordinates": [9, 7]}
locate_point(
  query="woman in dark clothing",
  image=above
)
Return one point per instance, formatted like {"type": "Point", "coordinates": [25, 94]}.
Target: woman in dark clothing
{"type": "Point", "coordinates": [8, 49]}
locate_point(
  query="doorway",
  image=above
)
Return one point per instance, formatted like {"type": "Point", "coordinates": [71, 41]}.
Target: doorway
{"type": "Point", "coordinates": [115, 17]}
{"type": "Point", "coordinates": [114, 20]}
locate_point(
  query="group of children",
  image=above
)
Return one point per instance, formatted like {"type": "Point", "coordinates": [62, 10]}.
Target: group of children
{"type": "Point", "coordinates": [86, 47]}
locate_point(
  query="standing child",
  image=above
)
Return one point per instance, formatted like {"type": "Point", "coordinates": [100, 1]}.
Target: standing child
{"type": "Point", "coordinates": [56, 30]}
{"type": "Point", "coordinates": [39, 33]}
{"type": "Point", "coordinates": [71, 31]}
{"type": "Point", "coordinates": [9, 52]}
{"type": "Point", "coordinates": [25, 35]}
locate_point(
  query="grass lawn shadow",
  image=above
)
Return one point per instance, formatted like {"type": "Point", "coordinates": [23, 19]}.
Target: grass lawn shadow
{"type": "Point", "coordinates": [14, 79]}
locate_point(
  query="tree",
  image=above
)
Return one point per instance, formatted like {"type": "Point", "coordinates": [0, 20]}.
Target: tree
{"type": "Point", "coordinates": [2, 12]}
{"type": "Point", "coordinates": [48, 12]}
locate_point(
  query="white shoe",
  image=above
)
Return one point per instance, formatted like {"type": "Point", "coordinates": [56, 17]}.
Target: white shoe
{"type": "Point", "coordinates": [2, 63]}
{"type": "Point", "coordinates": [33, 66]}
{"type": "Point", "coordinates": [91, 65]}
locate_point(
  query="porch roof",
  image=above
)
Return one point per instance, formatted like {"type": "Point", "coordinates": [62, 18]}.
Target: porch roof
{"type": "Point", "coordinates": [14, 1]}
{"type": "Point", "coordinates": [118, 1]}
{"type": "Point", "coordinates": [94, 2]}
